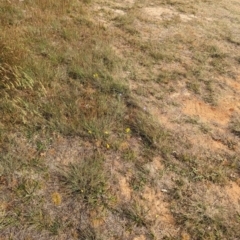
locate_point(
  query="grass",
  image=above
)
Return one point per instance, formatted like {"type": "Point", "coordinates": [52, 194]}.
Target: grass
{"type": "Point", "coordinates": [87, 180]}
{"type": "Point", "coordinates": [134, 214]}
{"type": "Point", "coordinates": [92, 131]}
{"type": "Point", "coordinates": [209, 224]}
{"type": "Point", "coordinates": [235, 125]}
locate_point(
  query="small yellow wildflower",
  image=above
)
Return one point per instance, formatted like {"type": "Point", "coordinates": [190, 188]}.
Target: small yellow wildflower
{"type": "Point", "coordinates": [95, 75]}
{"type": "Point", "coordinates": [128, 130]}
{"type": "Point", "coordinates": [90, 132]}
{"type": "Point", "coordinates": [56, 198]}
{"type": "Point", "coordinates": [107, 146]}
{"type": "Point", "coordinates": [106, 132]}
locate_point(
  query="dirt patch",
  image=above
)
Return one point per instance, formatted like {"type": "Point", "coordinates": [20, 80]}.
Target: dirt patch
{"type": "Point", "coordinates": [207, 113]}
{"type": "Point", "coordinates": [65, 151]}
{"type": "Point", "coordinates": [233, 192]}
{"type": "Point", "coordinates": [157, 206]}
{"type": "Point", "coordinates": [161, 13]}
{"type": "Point", "coordinates": [185, 236]}
{"type": "Point", "coordinates": [120, 181]}
{"type": "Point", "coordinates": [235, 85]}
{"type": "Point", "coordinates": [125, 189]}
{"type": "Point", "coordinates": [157, 209]}
{"type": "Point", "coordinates": [154, 167]}
{"type": "Point", "coordinates": [171, 117]}
{"type": "Point", "coordinates": [230, 103]}
{"type": "Point", "coordinates": [165, 115]}
{"type": "Point", "coordinates": [139, 238]}
{"type": "Point", "coordinates": [206, 142]}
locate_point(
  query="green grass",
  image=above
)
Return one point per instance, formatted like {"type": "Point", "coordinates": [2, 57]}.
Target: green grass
{"type": "Point", "coordinates": [87, 180]}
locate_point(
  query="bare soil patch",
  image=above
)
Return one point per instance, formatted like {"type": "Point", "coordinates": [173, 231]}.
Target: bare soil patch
{"type": "Point", "coordinates": [194, 107]}
{"type": "Point", "coordinates": [161, 13]}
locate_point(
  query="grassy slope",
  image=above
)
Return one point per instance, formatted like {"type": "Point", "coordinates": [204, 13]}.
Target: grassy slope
{"type": "Point", "coordinates": [94, 142]}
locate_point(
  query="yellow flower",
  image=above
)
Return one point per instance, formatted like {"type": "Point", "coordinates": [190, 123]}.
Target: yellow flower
{"type": "Point", "coordinates": [128, 130]}
{"type": "Point", "coordinates": [90, 132]}
{"type": "Point", "coordinates": [95, 75]}
{"type": "Point", "coordinates": [106, 132]}
{"type": "Point", "coordinates": [107, 146]}
{"type": "Point", "coordinates": [56, 198]}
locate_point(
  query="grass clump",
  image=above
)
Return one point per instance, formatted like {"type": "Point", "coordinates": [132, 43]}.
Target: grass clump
{"type": "Point", "coordinates": [147, 128]}
{"type": "Point", "coordinates": [235, 126]}
{"type": "Point", "coordinates": [87, 180]}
